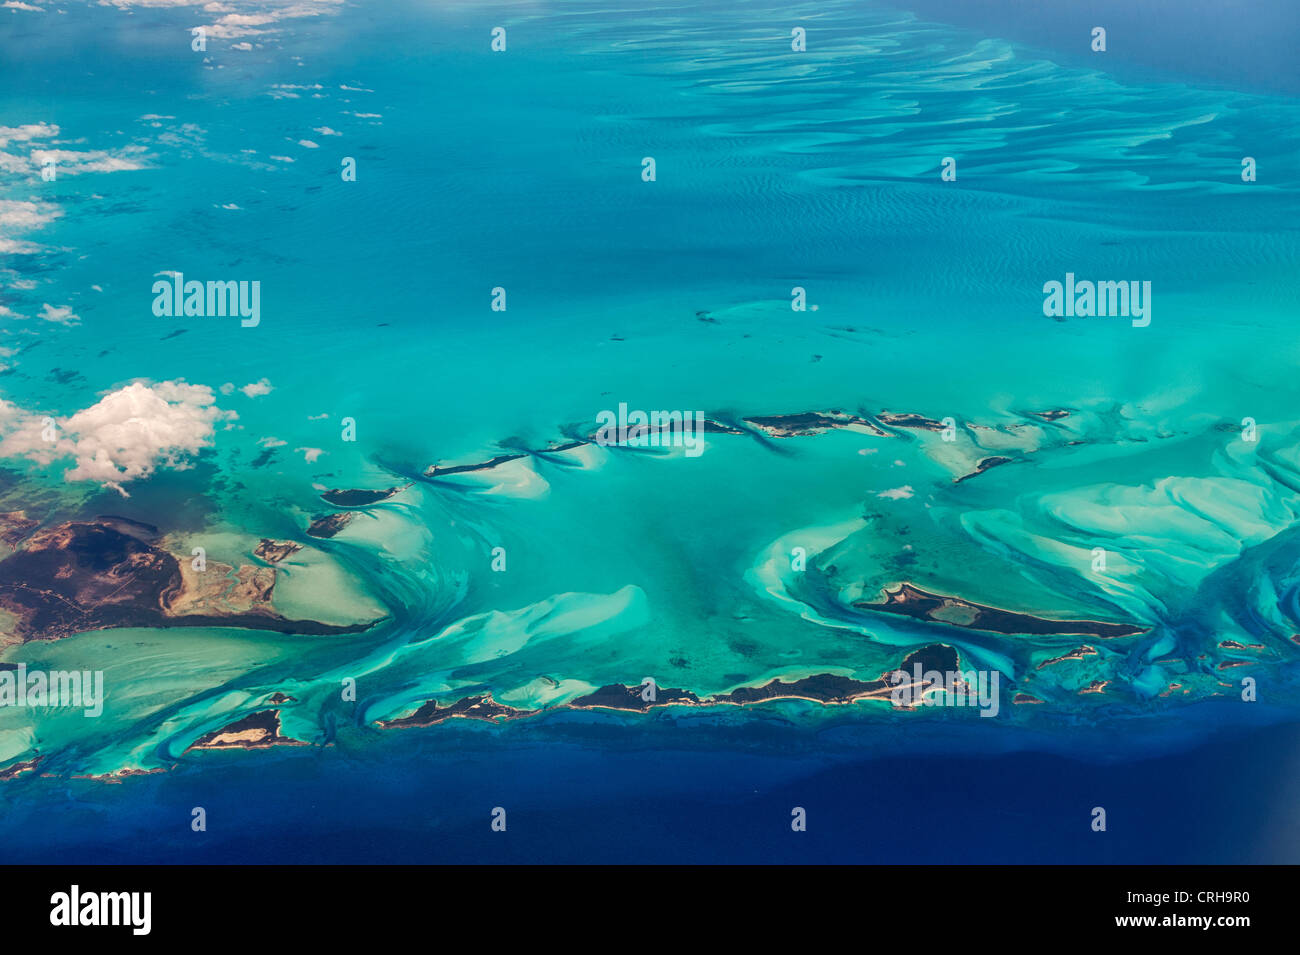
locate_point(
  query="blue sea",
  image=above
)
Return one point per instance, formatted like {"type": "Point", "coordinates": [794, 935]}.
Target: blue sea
{"type": "Point", "coordinates": [855, 210]}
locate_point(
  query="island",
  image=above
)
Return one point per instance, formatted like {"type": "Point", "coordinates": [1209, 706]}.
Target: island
{"type": "Point", "coordinates": [111, 572]}
{"type": "Point", "coordinates": [909, 601]}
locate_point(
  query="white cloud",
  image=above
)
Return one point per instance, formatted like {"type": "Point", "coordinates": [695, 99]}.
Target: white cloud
{"type": "Point", "coordinates": [71, 162]}
{"type": "Point", "coordinates": [60, 314]}
{"type": "Point", "coordinates": [67, 162]}
{"type": "Point", "coordinates": [310, 454]}
{"type": "Point", "coordinates": [897, 493]}
{"type": "Point", "coordinates": [257, 388]}
{"type": "Point", "coordinates": [16, 214]}
{"type": "Point", "coordinates": [18, 247]}
{"type": "Point", "coordinates": [128, 434]}
{"type": "Point", "coordinates": [26, 133]}
{"type": "Point", "coordinates": [235, 25]}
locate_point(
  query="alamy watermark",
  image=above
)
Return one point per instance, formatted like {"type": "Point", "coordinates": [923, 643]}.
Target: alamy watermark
{"type": "Point", "coordinates": [1086, 299]}
{"type": "Point", "coordinates": [654, 429]}
{"type": "Point", "coordinates": [82, 689]}
{"type": "Point", "coordinates": [130, 909]}
{"type": "Point", "coordinates": [174, 297]}
{"type": "Point", "coordinates": [947, 688]}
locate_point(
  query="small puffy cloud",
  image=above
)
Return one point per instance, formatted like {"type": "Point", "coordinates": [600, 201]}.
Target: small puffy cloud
{"type": "Point", "coordinates": [326, 131]}
{"type": "Point", "coordinates": [257, 388]}
{"type": "Point", "coordinates": [308, 144]}
{"type": "Point", "coordinates": [60, 314]}
{"type": "Point", "coordinates": [235, 25]}
{"type": "Point", "coordinates": [310, 454]}
{"type": "Point", "coordinates": [73, 162]}
{"type": "Point", "coordinates": [17, 215]}
{"type": "Point", "coordinates": [27, 132]}
{"type": "Point", "coordinates": [897, 493]}
{"type": "Point", "coordinates": [68, 162]}
{"type": "Point", "coordinates": [18, 247]}
{"type": "Point", "coordinates": [271, 442]}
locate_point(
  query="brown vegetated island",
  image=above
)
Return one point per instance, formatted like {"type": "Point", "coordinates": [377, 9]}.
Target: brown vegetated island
{"type": "Point", "coordinates": [108, 573]}
{"type": "Point", "coordinates": [909, 601]}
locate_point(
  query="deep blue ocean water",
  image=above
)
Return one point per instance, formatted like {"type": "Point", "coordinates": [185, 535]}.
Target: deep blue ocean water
{"type": "Point", "coordinates": [1226, 801]}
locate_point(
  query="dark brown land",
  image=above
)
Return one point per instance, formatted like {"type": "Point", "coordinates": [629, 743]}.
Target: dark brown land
{"type": "Point", "coordinates": [616, 696]}
{"type": "Point", "coordinates": [810, 423]}
{"type": "Point", "coordinates": [439, 471]}
{"type": "Point", "coordinates": [909, 420]}
{"type": "Point", "coordinates": [1076, 654]}
{"type": "Point", "coordinates": [273, 551]}
{"type": "Point", "coordinates": [983, 466]}
{"type": "Point", "coordinates": [326, 526]}
{"type": "Point", "coordinates": [822, 688]}
{"type": "Point", "coordinates": [96, 575]}
{"type": "Point", "coordinates": [15, 526]}
{"type": "Point", "coordinates": [909, 601]}
{"type": "Point", "coordinates": [471, 707]}
{"type": "Point", "coordinates": [255, 731]}
{"type": "Point", "coordinates": [357, 497]}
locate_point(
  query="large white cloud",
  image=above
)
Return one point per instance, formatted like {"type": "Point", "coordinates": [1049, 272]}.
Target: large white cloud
{"type": "Point", "coordinates": [126, 435]}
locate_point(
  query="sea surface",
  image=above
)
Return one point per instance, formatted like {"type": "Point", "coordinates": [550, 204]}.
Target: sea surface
{"type": "Point", "coordinates": [1171, 447]}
